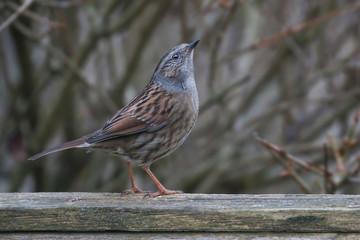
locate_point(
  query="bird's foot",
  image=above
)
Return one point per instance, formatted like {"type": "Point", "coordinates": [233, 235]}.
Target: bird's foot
{"type": "Point", "coordinates": [163, 191]}
{"type": "Point", "coordinates": [133, 190]}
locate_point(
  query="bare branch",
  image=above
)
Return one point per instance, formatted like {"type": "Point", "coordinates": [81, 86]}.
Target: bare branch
{"type": "Point", "coordinates": [62, 4]}
{"type": "Point", "coordinates": [17, 13]}
{"type": "Point", "coordinates": [36, 17]}
{"type": "Point", "coordinates": [215, 99]}
{"type": "Point", "coordinates": [280, 154]}
{"type": "Point", "coordinates": [327, 173]}
{"type": "Point", "coordinates": [87, 47]}
{"type": "Point", "coordinates": [145, 35]}
{"type": "Point", "coordinates": [215, 48]}
{"type": "Point", "coordinates": [290, 31]}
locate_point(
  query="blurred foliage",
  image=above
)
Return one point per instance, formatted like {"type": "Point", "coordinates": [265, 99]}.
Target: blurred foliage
{"type": "Point", "coordinates": [287, 70]}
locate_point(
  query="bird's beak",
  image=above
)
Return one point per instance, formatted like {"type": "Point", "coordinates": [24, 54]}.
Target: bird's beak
{"type": "Point", "coordinates": [192, 45]}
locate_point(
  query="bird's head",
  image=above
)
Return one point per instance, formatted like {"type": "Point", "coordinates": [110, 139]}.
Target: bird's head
{"type": "Point", "coordinates": [176, 66]}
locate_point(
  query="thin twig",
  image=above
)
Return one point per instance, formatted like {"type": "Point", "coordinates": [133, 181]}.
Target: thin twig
{"type": "Point", "coordinates": [280, 154]}
{"type": "Point", "coordinates": [356, 170]}
{"type": "Point", "coordinates": [36, 17]}
{"type": "Point", "coordinates": [63, 4]}
{"type": "Point", "coordinates": [290, 31]}
{"type": "Point", "coordinates": [186, 32]}
{"type": "Point", "coordinates": [291, 43]}
{"type": "Point", "coordinates": [327, 173]}
{"type": "Point", "coordinates": [224, 23]}
{"type": "Point", "coordinates": [144, 38]}
{"type": "Point", "coordinates": [290, 157]}
{"type": "Point", "coordinates": [325, 121]}
{"type": "Point", "coordinates": [16, 14]}
{"type": "Point", "coordinates": [80, 58]}
{"type": "Point", "coordinates": [336, 152]}
{"type": "Point", "coordinates": [127, 18]}
{"type": "Point", "coordinates": [348, 141]}
{"type": "Point", "coordinates": [283, 106]}
{"type": "Point", "coordinates": [10, 86]}
{"type": "Point", "coordinates": [215, 99]}
{"type": "Point", "coordinates": [326, 166]}
{"type": "Point", "coordinates": [106, 101]}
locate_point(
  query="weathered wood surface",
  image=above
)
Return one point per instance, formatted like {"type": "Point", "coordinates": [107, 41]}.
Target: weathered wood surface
{"type": "Point", "coordinates": [94, 212]}
{"type": "Point", "coordinates": [179, 235]}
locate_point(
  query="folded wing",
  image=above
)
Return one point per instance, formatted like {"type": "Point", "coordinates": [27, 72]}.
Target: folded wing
{"type": "Point", "coordinates": [148, 112]}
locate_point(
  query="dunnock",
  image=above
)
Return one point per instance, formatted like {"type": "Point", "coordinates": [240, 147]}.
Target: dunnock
{"type": "Point", "coordinates": [154, 123]}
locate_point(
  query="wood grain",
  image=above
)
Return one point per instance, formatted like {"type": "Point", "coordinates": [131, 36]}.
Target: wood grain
{"type": "Point", "coordinates": [94, 212]}
{"type": "Point", "coordinates": [180, 235]}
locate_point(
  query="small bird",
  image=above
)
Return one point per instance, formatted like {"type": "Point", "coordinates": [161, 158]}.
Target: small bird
{"type": "Point", "coordinates": [154, 123]}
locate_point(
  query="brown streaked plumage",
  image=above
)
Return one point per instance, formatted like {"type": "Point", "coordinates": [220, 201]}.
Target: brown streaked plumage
{"type": "Point", "coordinates": [154, 123]}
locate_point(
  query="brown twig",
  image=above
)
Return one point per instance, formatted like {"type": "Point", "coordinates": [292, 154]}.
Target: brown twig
{"type": "Point", "coordinates": [325, 121]}
{"type": "Point", "coordinates": [106, 101]}
{"type": "Point", "coordinates": [336, 152]}
{"type": "Point", "coordinates": [348, 141]}
{"type": "Point", "coordinates": [280, 155]}
{"type": "Point", "coordinates": [307, 166]}
{"type": "Point", "coordinates": [327, 173]}
{"type": "Point", "coordinates": [145, 35]}
{"type": "Point", "coordinates": [283, 106]}
{"type": "Point", "coordinates": [36, 17]}
{"type": "Point", "coordinates": [127, 18]}
{"type": "Point", "coordinates": [326, 166]}
{"type": "Point", "coordinates": [80, 58]}
{"type": "Point", "coordinates": [356, 170]}
{"type": "Point", "coordinates": [291, 43]}
{"type": "Point", "coordinates": [186, 31]}
{"type": "Point", "coordinates": [215, 99]}
{"type": "Point", "coordinates": [17, 13]}
{"type": "Point", "coordinates": [10, 86]}
{"type": "Point", "coordinates": [215, 47]}
{"type": "Point", "coordinates": [62, 4]}
{"type": "Point", "coordinates": [290, 31]}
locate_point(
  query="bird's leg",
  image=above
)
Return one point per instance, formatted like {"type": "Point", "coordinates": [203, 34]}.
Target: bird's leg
{"type": "Point", "coordinates": [161, 189]}
{"type": "Point", "coordinates": [134, 188]}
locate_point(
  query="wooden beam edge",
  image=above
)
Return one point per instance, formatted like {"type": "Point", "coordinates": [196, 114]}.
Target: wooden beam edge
{"type": "Point", "coordinates": [94, 212]}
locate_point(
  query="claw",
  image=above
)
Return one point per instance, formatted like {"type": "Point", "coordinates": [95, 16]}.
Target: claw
{"type": "Point", "coordinates": [126, 192]}
{"type": "Point", "coordinates": [146, 195]}
{"type": "Point", "coordinates": [162, 192]}
{"type": "Point", "coordinates": [133, 190]}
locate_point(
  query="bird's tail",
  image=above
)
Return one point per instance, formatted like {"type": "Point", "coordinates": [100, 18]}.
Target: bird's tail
{"type": "Point", "coordinates": [72, 144]}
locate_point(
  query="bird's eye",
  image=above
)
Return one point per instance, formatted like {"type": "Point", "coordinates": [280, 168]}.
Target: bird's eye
{"type": "Point", "coordinates": [175, 56]}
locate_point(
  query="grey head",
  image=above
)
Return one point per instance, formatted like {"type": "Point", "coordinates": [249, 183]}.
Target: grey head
{"type": "Point", "coordinates": [175, 70]}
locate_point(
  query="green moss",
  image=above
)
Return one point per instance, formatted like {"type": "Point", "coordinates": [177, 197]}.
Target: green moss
{"type": "Point", "coordinates": [305, 219]}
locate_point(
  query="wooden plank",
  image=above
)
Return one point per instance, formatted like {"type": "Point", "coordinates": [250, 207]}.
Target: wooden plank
{"type": "Point", "coordinates": [179, 235]}
{"type": "Point", "coordinates": [81, 212]}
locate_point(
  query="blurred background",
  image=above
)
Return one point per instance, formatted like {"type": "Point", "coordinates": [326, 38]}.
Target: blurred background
{"type": "Point", "coordinates": [285, 70]}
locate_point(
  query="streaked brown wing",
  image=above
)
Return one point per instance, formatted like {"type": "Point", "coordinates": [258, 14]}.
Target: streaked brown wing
{"type": "Point", "coordinates": [141, 115]}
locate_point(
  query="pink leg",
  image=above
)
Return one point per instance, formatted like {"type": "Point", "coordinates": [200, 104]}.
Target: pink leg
{"type": "Point", "coordinates": [134, 188]}
{"type": "Point", "coordinates": [161, 189]}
